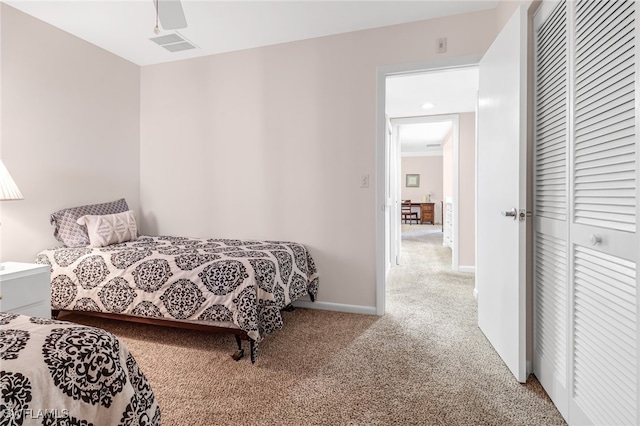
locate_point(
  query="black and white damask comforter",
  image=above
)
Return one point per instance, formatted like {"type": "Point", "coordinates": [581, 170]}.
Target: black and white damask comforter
{"type": "Point", "coordinates": [233, 283]}
{"type": "Point", "coordinates": [59, 373]}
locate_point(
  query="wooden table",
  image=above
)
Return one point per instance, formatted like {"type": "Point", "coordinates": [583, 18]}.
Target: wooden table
{"type": "Point", "coordinates": [427, 212]}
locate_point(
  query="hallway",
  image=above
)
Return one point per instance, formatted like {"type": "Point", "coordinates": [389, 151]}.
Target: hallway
{"type": "Point", "coordinates": [467, 379]}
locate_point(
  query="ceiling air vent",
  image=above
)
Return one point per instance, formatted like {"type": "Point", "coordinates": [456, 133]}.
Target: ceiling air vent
{"type": "Point", "coordinates": [173, 42]}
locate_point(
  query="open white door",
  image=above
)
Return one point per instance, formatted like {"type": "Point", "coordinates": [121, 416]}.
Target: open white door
{"type": "Point", "coordinates": [501, 194]}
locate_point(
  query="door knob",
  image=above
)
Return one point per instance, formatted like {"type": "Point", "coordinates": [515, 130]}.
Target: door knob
{"type": "Point", "coordinates": [510, 213]}
{"type": "Point", "coordinates": [595, 239]}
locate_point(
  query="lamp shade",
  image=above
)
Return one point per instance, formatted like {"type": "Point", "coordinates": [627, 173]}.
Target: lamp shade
{"type": "Point", "coordinates": [8, 188]}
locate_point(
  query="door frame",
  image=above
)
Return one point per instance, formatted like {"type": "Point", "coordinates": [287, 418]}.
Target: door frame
{"type": "Point", "coordinates": [382, 177]}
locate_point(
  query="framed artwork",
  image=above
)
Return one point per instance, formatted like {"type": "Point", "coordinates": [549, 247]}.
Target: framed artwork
{"type": "Point", "coordinates": [413, 181]}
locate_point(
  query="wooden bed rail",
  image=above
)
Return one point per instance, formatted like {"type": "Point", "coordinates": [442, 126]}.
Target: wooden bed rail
{"type": "Point", "coordinates": [239, 334]}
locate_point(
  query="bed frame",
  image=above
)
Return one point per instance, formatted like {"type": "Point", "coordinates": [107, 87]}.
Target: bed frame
{"type": "Point", "coordinates": [239, 334]}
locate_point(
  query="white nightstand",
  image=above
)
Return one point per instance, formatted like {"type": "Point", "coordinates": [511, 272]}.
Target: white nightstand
{"type": "Point", "coordinates": [25, 288]}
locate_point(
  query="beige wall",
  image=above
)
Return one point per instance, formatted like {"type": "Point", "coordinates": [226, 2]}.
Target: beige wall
{"type": "Point", "coordinates": [262, 143]}
{"type": "Point", "coordinates": [69, 129]}
{"type": "Point", "coordinates": [430, 171]}
{"type": "Point", "coordinates": [466, 186]}
{"type": "Point", "coordinates": [271, 142]}
{"type": "Point", "coordinates": [506, 9]}
{"type": "Point", "coordinates": [1, 257]}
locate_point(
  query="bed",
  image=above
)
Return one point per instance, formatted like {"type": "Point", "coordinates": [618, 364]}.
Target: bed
{"type": "Point", "coordinates": [60, 373]}
{"type": "Point", "coordinates": [236, 286]}
{"type": "Point", "coordinates": [226, 285]}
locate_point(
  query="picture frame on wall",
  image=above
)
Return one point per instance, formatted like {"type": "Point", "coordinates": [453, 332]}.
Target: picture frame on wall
{"type": "Point", "coordinates": [413, 181]}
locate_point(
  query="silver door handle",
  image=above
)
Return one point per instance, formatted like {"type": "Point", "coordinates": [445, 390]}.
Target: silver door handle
{"type": "Point", "coordinates": [510, 213]}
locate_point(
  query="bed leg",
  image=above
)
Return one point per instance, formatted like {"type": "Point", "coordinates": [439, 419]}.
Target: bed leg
{"type": "Point", "coordinates": [239, 353]}
{"type": "Point", "coordinates": [254, 350]}
{"type": "Point", "coordinates": [55, 313]}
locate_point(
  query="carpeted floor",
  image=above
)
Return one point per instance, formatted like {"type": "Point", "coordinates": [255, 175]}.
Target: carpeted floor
{"type": "Point", "coordinates": [423, 363]}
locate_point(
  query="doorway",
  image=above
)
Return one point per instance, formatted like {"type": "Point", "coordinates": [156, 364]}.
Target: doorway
{"type": "Point", "coordinates": [425, 171]}
{"type": "Point", "coordinates": [396, 111]}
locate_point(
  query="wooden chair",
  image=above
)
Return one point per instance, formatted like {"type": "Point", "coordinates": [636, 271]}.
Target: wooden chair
{"type": "Point", "coordinates": [408, 213]}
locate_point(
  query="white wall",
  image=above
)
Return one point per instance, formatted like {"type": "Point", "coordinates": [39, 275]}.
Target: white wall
{"type": "Point", "coordinates": [271, 142]}
{"type": "Point", "coordinates": [70, 126]}
{"type": "Point", "coordinates": [467, 191]}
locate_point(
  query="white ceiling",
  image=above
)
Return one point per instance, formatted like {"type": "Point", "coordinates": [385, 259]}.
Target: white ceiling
{"type": "Point", "coordinates": [449, 91]}
{"type": "Point", "coordinates": [124, 27]}
{"type": "Point", "coordinates": [424, 138]}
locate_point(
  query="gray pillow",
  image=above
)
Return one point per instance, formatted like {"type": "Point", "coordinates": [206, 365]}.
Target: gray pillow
{"type": "Point", "coordinates": [65, 221]}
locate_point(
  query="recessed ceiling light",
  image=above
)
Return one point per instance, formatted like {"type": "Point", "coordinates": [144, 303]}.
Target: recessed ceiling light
{"type": "Point", "coordinates": [427, 105]}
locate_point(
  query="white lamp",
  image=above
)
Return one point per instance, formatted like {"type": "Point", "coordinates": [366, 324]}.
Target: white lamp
{"type": "Point", "coordinates": [8, 189]}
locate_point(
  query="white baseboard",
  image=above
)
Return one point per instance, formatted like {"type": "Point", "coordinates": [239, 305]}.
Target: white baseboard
{"type": "Point", "coordinates": [467, 269]}
{"type": "Point", "coordinates": [338, 307]}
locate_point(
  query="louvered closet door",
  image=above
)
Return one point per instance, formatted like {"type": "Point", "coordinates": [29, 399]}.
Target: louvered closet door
{"type": "Point", "coordinates": [585, 210]}
{"type": "Point", "coordinates": [604, 243]}
{"type": "Point", "coordinates": [551, 201]}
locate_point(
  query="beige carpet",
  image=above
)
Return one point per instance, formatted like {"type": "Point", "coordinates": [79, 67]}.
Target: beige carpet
{"type": "Point", "coordinates": [424, 363]}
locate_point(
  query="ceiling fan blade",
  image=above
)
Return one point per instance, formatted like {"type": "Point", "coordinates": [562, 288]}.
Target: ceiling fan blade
{"type": "Point", "coordinates": [171, 14]}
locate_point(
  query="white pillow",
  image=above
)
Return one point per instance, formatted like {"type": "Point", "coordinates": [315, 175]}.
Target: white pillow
{"type": "Point", "coordinates": [109, 229]}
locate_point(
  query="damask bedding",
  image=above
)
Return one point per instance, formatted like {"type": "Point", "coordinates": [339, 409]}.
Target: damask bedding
{"type": "Point", "coordinates": [59, 373]}
{"type": "Point", "coordinates": [222, 282]}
